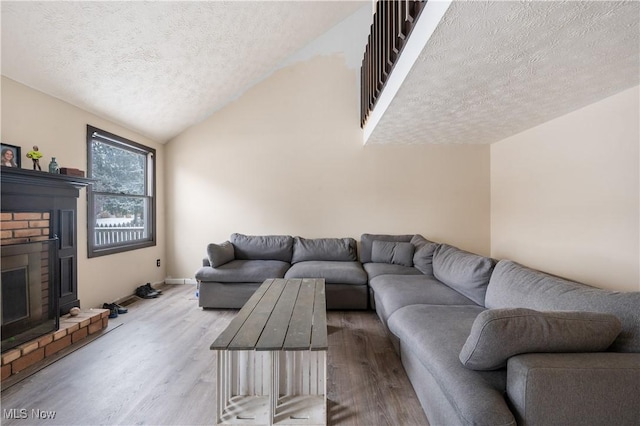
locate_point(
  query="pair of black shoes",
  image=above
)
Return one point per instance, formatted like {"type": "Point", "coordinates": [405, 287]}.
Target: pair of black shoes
{"type": "Point", "coordinates": [114, 309]}
{"type": "Point", "coordinates": [147, 292]}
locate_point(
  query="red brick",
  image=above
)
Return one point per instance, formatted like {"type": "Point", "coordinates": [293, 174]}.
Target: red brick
{"type": "Point", "coordinates": [27, 360]}
{"type": "Point", "coordinates": [59, 334]}
{"type": "Point", "coordinates": [28, 347]}
{"type": "Point", "coordinates": [105, 313]}
{"type": "Point", "coordinates": [6, 234]}
{"type": "Point", "coordinates": [9, 357]}
{"type": "Point", "coordinates": [27, 216]}
{"type": "Point", "coordinates": [95, 327]}
{"type": "Point", "coordinates": [69, 326]}
{"type": "Point", "coordinates": [39, 224]}
{"type": "Point", "coordinates": [44, 341]}
{"type": "Point", "coordinates": [6, 216]}
{"type": "Point", "coordinates": [57, 345]}
{"type": "Point", "coordinates": [6, 371]}
{"type": "Point", "coordinates": [79, 335]}
{"type": "Point", "coordinates": [83, 321]}
{"type": "Point", "coordinates": [45, 215]}
{"type": "Point", "coordinates": [96, 318]}
{"type": "Point", "coordinates": [26, 233]}
{"type": "Point", "coordinates": [105, 322]}
{"type": "Point", "coordinates": [15, 225]}
{"type": "Point", "coordinates": [41, 238]}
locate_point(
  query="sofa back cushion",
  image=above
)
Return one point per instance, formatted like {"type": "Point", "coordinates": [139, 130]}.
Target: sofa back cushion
{"type": "Point", "coordinates": [423, 254]}
{"type": "Point", "coordinates": [366, 243]}
{"type": "Point", "coordinates": [262, 247]}
{"type": "Point", "coordinates": [394, 252]}
{"type": "Point", "coordinates": [219, 254]}
{"type": "Point", "coordinates": [515, 286]}
{"type": "Point", "coordinates": [465, 272]}
{"type": "Point", "coordinates": [327, 249]}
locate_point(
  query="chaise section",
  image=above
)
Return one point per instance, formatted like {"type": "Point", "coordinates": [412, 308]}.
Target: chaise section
{"type": "Point", "coordinates": [431, 338]}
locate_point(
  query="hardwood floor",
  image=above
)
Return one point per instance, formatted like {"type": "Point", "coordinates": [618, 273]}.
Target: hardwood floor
{"type": "Point", "coordinates": [156, 368]}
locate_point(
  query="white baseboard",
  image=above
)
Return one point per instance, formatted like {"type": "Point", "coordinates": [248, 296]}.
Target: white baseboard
{"type": "Point", "coordinates": [180, 281]}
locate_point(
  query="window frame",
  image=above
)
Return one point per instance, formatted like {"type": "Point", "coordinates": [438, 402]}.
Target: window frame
{"type": "Point", "coordinates": [94, 133]}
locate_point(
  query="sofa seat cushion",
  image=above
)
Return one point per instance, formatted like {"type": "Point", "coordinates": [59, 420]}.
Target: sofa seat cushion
{"type": "Point", "coordinates": [436, 334]}
{"type": "Point", "coordinates": [393, 292]}
{"type": "Point", "coordinates": [244, 271]}
{"type": "Point", "coordinates": [375, 269]}
{"type": "Point", "coordinates": [332, 272]}
{"type": "Point", "coordinates": [515, 286]}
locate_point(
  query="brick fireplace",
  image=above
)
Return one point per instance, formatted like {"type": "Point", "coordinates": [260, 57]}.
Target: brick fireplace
{"type": "Point", "coordinates": [38, 241]}
{"type": "Point", "coordinates": [29, 300]}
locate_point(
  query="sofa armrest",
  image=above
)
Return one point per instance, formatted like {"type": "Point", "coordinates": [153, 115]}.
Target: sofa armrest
{"type": "Point", "coordinates": [205, 262]}
{"type": "Point", "coordinates": [578, 388]}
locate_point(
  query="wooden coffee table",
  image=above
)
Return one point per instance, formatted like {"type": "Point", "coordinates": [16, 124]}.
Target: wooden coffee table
{"type": "Point", "coordinates": [272, 358]}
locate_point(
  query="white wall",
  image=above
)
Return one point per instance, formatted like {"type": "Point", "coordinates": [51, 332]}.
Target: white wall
{"type": "Point", "coordinates": [31, 118]}
{"type": "Point", "coordinates": [565, 195]}
{"type": "Point", "coordinates": [287, 157]}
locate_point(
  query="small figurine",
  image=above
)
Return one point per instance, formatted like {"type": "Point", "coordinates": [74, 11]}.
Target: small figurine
{"type": "Point", "coordinates": [35, 156]}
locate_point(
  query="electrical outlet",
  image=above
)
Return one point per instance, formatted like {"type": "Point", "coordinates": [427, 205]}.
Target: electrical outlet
{"type": "Point", "coordinates": [158, 263]}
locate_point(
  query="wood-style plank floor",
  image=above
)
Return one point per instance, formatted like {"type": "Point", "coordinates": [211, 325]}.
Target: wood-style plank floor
{"type": "Point", "coordinates": [156, 368]}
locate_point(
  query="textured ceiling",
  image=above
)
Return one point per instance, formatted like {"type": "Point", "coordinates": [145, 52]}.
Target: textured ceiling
{"type": "Point", "coordinates": [494, 69]}
{"type": "Point", "coordinates": [156, 67]}
{"type": "Point", "coordinates": [490, 70]}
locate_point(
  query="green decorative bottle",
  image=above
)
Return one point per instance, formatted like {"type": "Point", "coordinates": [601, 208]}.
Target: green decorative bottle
{"type": "Point", "coordinates": [53, 166]}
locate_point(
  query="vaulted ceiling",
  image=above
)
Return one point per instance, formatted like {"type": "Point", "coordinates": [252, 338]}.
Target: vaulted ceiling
{"type": "Point", "coordinates": [490, 69]}
{"type": "Point", "coordinates": [156, 67]}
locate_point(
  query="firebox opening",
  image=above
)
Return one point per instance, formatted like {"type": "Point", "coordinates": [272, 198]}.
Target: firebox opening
{"type": "Point", "coordinates": [29, 301]}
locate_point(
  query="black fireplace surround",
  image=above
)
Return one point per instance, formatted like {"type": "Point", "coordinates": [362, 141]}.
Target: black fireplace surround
{"type": "Point", "coordinates": [33, 300]}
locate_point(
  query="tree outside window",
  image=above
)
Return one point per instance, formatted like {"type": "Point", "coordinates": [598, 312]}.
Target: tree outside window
{"type": "Point", "coordinates": [122, 199]}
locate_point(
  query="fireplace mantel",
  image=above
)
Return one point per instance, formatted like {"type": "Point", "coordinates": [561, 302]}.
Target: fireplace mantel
{"type": "Point", "coordinates": [29, 191]}
{"type": "Point", "coordinates": [13, 175]}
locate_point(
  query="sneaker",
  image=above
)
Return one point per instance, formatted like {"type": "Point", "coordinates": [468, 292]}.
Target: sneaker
{"type": "Point", "coordinates": [113, 311]}
{"type": "Point", "coordinates": [148, 285]}
{"type": "Point", "coordinates": [145, 293]}
{"type": "Point", "coordinates": [121, 309]}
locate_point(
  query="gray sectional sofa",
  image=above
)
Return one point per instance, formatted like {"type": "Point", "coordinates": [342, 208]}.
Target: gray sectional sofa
{"type": "Point", "coordinates": [233, 270]}
{"type": "Point", "coordinates": [497, 343]}
{"type": "Point", "coordinates": [483, 342]}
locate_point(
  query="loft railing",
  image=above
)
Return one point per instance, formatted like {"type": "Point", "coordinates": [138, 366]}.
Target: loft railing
{"type": "Point", "coordinates": [392, 24]}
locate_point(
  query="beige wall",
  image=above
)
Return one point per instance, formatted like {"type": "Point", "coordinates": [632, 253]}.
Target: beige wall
{"type": "Point", "coordinates": [30, 117]}
{"type": "Point", "coordinates": [565, 195]}
{"type": "Point", "coordinates": [287, 158]}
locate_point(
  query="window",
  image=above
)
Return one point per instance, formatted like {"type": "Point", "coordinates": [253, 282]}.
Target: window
{"type": "Point", "coordinates": [121, 202]}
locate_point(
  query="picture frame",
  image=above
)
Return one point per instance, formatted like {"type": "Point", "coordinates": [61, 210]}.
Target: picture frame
{"type": "Point", "coordinates": [16, 161]}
